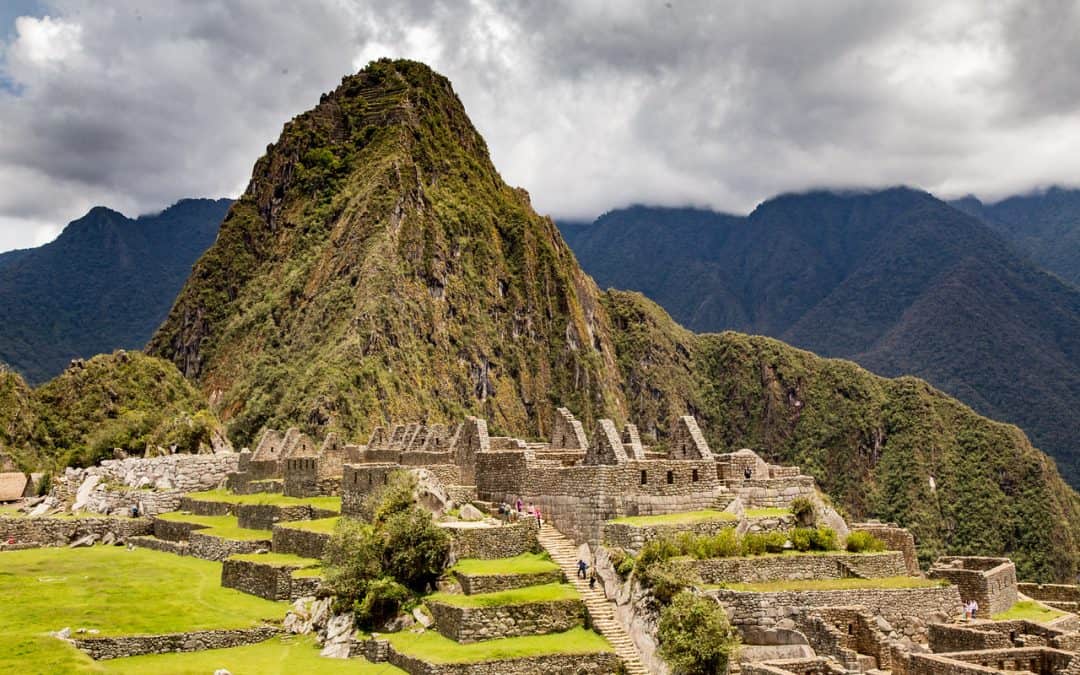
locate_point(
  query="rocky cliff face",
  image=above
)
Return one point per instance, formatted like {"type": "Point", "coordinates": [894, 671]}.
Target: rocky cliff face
{"type": "Point", "coordinates": [377, 268]}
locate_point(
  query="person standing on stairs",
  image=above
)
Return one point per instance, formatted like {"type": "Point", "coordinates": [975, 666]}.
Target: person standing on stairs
{"type": "Point", "coordinates": [581, 567]}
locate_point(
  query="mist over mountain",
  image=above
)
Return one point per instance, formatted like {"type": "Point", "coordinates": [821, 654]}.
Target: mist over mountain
{"type": "Point", "coordinates": [105, 283]}
{"type": "Point", "coordinates": [896, 280]}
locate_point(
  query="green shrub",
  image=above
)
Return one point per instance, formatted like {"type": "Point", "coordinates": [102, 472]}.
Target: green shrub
{"type": "Point", "coordinates": [622, 561]}
{"type": "Point", "coordinates": [415, 549]}
{"type": "Point", "coordinates": [656, 551]}
{"type": "Point", "coordinates": [382, 601]}
{"type": "Point", "coordinates": [775, 541]}
{"type": "Point", "coordinates": [667, 581]}
{"type": "Point", "coordinates": [801, 538]}
{"type": "Point", "coordinates": [864, 542]}
{"type": "Point", "coordinates": [824, 539]}
{"type": "Point", "coordinates": [352, 559]}
{"type": "Point", "coordinates": [695, 636]}
{"type": "Point", "coordinates": [754, 544]}
{"type": "Point", "coordinates": [725, 544]}
{"type": "Point", "coordinates": [394, 497]}
{"type": "Point", "coordinates": [803, 510]}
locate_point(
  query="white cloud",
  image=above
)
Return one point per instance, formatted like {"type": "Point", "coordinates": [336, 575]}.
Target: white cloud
{"type": "Point", "coordinates": [587, 104]}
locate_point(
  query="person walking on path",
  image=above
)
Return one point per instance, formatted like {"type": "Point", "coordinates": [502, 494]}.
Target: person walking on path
{"type": "Point", "coordinates": [581, 567]}
{"type": "Point", "coordinates": [519, 505]}
{"type": "Point", "coordinates": [592, 579]}
{"type": "Point", "coordinates": [539, 521]}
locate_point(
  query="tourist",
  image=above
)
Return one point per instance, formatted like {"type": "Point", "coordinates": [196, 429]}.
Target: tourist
{"type": "Point", "coordinates": [519, 505]}
{"type": "Point", "coordinates": [747, 472]}
{"type": "Point", "coordinates": [974, 608]}
{"type": "Point", "coordinates": [581, 567]}
{"type": "Point", "coordinates": [539, 522]}
{"type": "Point", "coordinates": [134, 511]}
{"type": "Point", "coordinates": [592, 579]}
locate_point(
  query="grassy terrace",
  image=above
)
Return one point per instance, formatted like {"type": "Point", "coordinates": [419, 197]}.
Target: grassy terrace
{"type": "Point", "coordinates": [278, 559]}
{"type": "Point", "coordinates": [434, 648]}
{"type": "Point", "coordinates": [526, 563]}
{"type": "Point", "coordinates": [833, 584]}
{"type": "Point", "coordinates": [517, 596]}
{"type": "Point", "coordinates": [113, 590]}
{"type": "Point", "coordinates": [774, 512]}
{"type": "Point", "coordinates": [327, 503]}
{"type": "Point", "coordinates": [683, 518]}
{"type": "Point", "coordinates": [322, 525]}
{"type": "Point", "coordinates": [1031, 611]}
{"type": "Point", "coordinates": [278, 656]}
{"type": "Point", "coordinates": [225, 527]}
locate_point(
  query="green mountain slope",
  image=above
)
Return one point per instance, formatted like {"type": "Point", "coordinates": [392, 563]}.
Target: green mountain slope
{"type": "Point", "coordinates": [1045, 226]}
{"type": "Point", "coordinates": [895, 280]}
{"type": "Point", "coordinates": [125, 400]}
{"type": "Point", "coordinates": [105, 283]}
{"type": "Point", "coordinates": [378, 268]}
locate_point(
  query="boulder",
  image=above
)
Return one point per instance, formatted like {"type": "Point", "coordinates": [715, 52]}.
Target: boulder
{"type": "Point", "coordinates": [63, 634]}
{"type": "Point", "coordinates": [470, 512]}
{"type": "Point", "coordinates": [430, 493]}
{"type": "Point", "coordinates": [422, 618]}
{"type": "Point", "coordinates": [82, 495]}
{"type": "Point", "coordinates": [109, 539]}
{"type": "Point", "coordinates": [307, 615]}
{"type": "Point", "coordinates": [86, 541]}
{"type": "Point", "coordinates": [338, 640]}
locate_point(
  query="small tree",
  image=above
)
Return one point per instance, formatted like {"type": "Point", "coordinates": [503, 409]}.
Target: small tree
{"type": "Point", "coordinates": [414, 548]}
{"type": "Point", "coordinates": [695, 636]}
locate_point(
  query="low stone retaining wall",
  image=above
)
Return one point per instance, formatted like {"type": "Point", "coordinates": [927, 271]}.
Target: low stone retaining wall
{"type": "Point", "coordinates": [471, 584]}
{"type": "Point", "coordinates": [909, 610]}
{"type": "Point", "coordinates": [811, 666]}
{"type": "Point", "coordinates": [303, 543]}
{"type": "Point", "coordinates": [172, 530]}
{"type": "Point", "coordinates": [1032, 659]}
{"type": "Point", "coordinates": [47, 531]}
{"type": "Point", "coordinates": [498, 541]}
{"type": "Point", "coordinates": [599, 663]}
{"type": "Point", "coordinates": [474, 624]}
{"type": "Point", "coordinates": [632, 537]}
{"type": "Point", "coordinates": [792, 567]}
{"type": "Point", "coordinates": [271, 582]}
{"type": "Point", "coordinates": [896, 538]}
{"type": "Point", "coordinates": [100, 648]}
{"type": "Point", "coordinates": [163, 545]}
{"type": "Point", "coordinates": [202, 507]}
{"type": "Point", "coordinates": [208, 547]}
{"type": "Point", "coordinates": [265, 516]}
{"type": "Point", "coordinates": [1059, 596]}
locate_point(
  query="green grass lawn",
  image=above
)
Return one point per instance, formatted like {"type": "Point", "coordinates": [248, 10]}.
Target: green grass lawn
{"type": "Point", "coordinates": [116, 591]}
{"type": "Point", "coordinates": [683, 518]}
{"type": "Point", "coordinates": [322, 525]}
{"type": "Point", "coordinates": [774, 512]}
{"type": "Point", "coordinates": [278, 559]}
{"type": "Point", "coordinates": [432, 647]}
{"type": "Point", "coordinates": [225, 527]}
{"type": "Point", "coordinates": [517, 596]}
{"type": "Point", "coordinates": [327, 503]}
{"type": "Point", "coordinates": [526, 563]}
{"type": "Point", "coordinates": [278, 656]}
{"type": "Point", "coordinates": [1031, 611]}
{"type": "Point", "coordinates": [832, 584]}
{"type": "Point", "coordinates": [10, 510]}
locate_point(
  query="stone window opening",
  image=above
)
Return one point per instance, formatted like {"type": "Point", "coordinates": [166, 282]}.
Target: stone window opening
{"type": "Point", "coordinates": [694, 475]}
{"type": "Point", "coordinates": [670, 477]}
{"type": "Point", "coordinates": [644, 477]}
{"type": "Point", "coordinates": [851, 629]}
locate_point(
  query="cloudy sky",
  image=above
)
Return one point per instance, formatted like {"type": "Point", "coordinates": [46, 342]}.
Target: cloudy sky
{"type": "Point", "coordinates": [589, 105]}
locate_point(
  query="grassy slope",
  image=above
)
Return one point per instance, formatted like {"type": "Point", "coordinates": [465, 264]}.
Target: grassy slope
{"type": "Point", "coordinates": [872, 443]}
{"type": "Point", "coordinates": [276, 499]}
{"type": "Point", "coordinates": [115, 591]}
{"type": "Point", "coordinates": [526, 563]}
{"type": "Point", "coordinates": [279, 656]}
{"type": "Point", "coordinates": [516, 596]}
{"type": "Point", "coordinates": [226, 527]}
{"type": "Point", "coordinates": [1030, 611]}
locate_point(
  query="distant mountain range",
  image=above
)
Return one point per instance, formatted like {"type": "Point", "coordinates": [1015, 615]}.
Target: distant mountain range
{"type": "Point", "coordinates": [896, 280]}
{"type": "Point", "coordinates": [1046, 226]}
{"type": "Point", "coordinates": [106, 282]}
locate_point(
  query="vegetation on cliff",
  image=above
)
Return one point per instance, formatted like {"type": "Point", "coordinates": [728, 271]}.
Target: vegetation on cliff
{"type": "Point", "coordinates": [124, 400]}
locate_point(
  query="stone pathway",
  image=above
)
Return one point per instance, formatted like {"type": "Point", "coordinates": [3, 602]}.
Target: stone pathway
{"type": "Point", "coordinates": [602, 612]}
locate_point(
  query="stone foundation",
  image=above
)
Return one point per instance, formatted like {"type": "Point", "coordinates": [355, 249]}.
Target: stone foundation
{"type": "Point", "coordinates": [474, 624]}
{"type": "Point", "coordinates": [271, 582]}
{"type": "Point", "coordinates": [299, 542]}
{"type": "Point", "coordinates": [207, 547]}
{"type": "Point", "coordinates": [497, 541]}
{"type": "Point", "coordinates": [792, 567]}
{"type": "Point", "coordinates": [46, 531]}
{"type": "Point", "coordinates": [471, 584]}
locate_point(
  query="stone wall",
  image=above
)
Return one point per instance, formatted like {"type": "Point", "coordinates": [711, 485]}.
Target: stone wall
{"type": "Point", "coordinates": [272, 582]}
{"type": "Point", "coordinates": [358, 481]}
{"type": "Point", "coordinates": [488, 543]}
{"type": "Point", "coordinates": [185, 473]}
{"type": "Point", "coordinates": [1060, 596]}
{"type": "Point", "coordinates": [632, 537]}
{"type": "Point", "coordinates": [989, 581]}
{"type": "Point", "coordinates": [473, 624]}
{"type": "Point", "coordinates": [265, 516]}
{"type": "Point", "coordinates": [472, 584]}
{"type": "Point", "coordinates": [907, 609]}
{"type": "Point", "coordinates": [792, 566]}
{"type": "Point", "coordinates": [991, 635]}
{"type": "Point", "coordinates": [811, 666]}
{"type": "Point", "coordinates": [846, 633]}
{"type": "Point", "coordinates": [46, 531]}
{"type": "Point", "coordinates": [763, 493]}
{"type": "Point", "coordinates": [207, 547]}
{"type": "Point", "coordinates": [161, 545]}
{"type": "Point", "coordinates": [100, 648]}
{"type": "Point", "coordinates": [207, 508]}
{"type": "Point", "coordinates": [306, 477]}
{"type": "Point", "coordinates": [1032, 659]}
{"type": "Point", "coordinates": [303, 543]}
{"type": "Point", "coordinates": [600, 663]}
{"type": "Point", "coordinates": [896, 538]}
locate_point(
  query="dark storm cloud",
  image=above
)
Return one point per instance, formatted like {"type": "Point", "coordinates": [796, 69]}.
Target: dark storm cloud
{"type": "Point", "coordinates": [587, 104]}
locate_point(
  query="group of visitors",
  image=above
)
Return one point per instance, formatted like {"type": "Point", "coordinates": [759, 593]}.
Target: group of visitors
{"type": "Point", "coordinates": [582, 568]}
{"type": "Point", "coordinates": [970, 610]}
{"type": "Point", "coordinates": [518, 511]}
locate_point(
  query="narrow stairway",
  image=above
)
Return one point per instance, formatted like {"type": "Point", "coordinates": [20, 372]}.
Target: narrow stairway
{"type": "Point", "coordinates": [601, 611]}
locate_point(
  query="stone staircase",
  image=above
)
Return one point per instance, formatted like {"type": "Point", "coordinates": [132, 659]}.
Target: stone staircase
{"type": "Point", "coordinates": [601, 611]}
